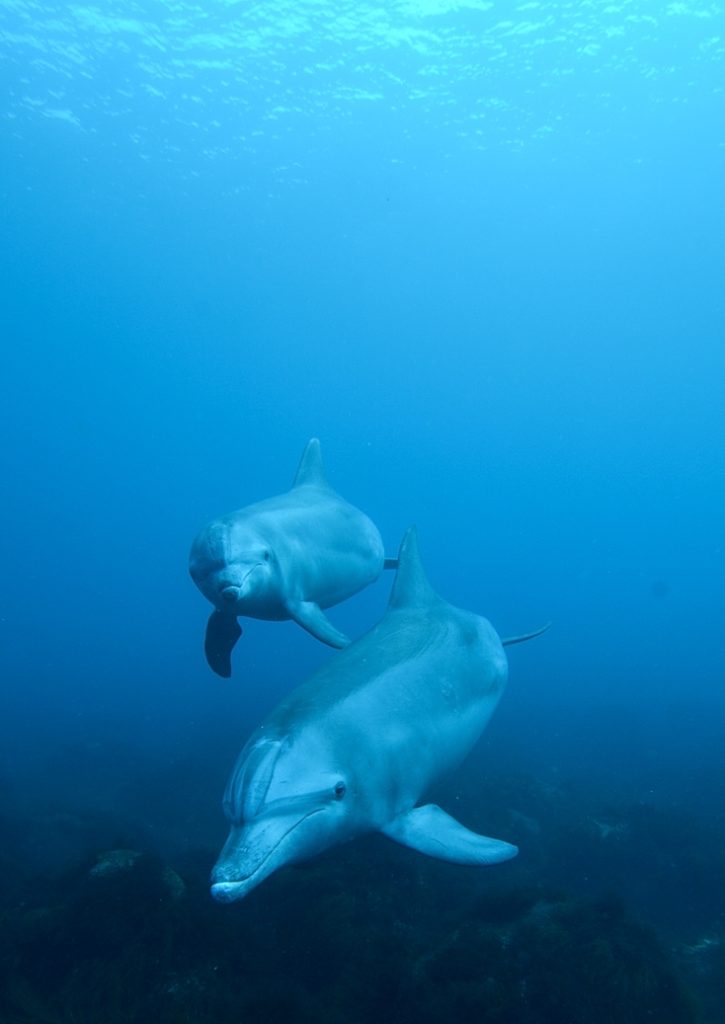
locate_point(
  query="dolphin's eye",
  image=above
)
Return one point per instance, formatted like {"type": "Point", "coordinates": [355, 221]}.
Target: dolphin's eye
{"type": "Point", "coordinates": [266, 556]}
{"type": "Point", "coordinates": [339, 790]}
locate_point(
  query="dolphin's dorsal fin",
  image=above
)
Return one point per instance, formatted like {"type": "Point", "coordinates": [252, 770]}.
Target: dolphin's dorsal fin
{"type": "Point", "coordinates": [310, 469]}
{"type": "Point", "coordinates": [411, 586]}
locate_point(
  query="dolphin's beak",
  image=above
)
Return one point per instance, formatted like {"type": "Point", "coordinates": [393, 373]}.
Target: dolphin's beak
{"type": "Point", "coordinates": [254, 850]}
{"type": "Point", "coordinates": [232, 593]}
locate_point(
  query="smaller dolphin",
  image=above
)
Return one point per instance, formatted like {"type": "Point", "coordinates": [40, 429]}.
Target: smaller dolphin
{"type": "Point", "coordinates": [284, 558]}
{"type": "Point", "coordinates": [355, 748]}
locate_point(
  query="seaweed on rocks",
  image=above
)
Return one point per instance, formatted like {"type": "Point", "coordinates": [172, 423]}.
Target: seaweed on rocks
{"type": "Point", "coordinates": [126, 940]}
{"type": "Point", "coordinates": [560, 961]}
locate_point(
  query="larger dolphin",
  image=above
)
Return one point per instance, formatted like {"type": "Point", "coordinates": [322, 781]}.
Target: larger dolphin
{"type": "Point", "coordinates": [284, 558]}
{"type": "Point", "coordinates": [355, 748]}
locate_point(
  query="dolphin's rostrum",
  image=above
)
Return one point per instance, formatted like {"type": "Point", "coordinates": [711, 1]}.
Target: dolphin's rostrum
{"type": "Point", "coordinates": [357, 746]}
{"type": "Point", "coordinates": [284, 558]}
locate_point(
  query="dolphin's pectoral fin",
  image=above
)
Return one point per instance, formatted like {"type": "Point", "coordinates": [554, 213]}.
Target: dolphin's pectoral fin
{"type": "Point", "coordinates": [430, 830]}
{"type": "Point", "coordinates": [311, 617]}
{"type": "Point", "coordinates": [222, 632]}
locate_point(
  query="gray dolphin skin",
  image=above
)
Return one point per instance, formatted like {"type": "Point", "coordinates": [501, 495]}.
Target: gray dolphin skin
{"type": "Point", "coordinates": [284, 558]}
{"type": "Point", "coordinates": [356, 747]}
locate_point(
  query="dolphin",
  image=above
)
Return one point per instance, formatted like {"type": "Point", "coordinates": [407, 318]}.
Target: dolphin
{"type": "Point", "coordinates": [285, 558]}
{"type": "Point", "coordinates": [355, 747]}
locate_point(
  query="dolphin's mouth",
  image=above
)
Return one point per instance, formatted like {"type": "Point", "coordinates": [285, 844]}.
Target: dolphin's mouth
{"type": "Point", "coordinates": [228, 890]}
{"type": "Point", "coordinates": [233, 592]}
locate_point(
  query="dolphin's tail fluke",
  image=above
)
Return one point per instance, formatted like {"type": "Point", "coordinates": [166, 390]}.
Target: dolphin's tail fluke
{"type": "Point", "coordinates": [524, 636]}
{"type": "Point", "coordinates": [222, 632]}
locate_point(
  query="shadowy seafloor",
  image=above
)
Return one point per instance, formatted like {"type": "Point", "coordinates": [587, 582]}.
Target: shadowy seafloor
{"type": "Point", "coordinates": [609, 914]}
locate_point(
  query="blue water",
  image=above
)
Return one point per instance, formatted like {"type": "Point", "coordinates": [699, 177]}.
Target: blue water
{"type": "Point", "coordinates": [477, 249]}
